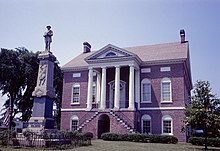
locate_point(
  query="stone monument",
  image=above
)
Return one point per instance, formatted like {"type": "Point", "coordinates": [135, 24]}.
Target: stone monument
{"type": "Point", "coordinates": [42, 117]}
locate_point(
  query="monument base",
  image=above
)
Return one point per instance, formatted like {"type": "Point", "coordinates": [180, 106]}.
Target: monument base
{"type": "Point", "coordinates": [38, 124]}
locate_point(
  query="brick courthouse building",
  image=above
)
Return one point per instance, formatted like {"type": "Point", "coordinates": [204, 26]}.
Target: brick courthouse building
{"type": "Point", "coordinates": [136, 89]}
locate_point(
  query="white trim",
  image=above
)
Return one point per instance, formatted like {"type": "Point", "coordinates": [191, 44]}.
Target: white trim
{"type": "Point", "coordinates": [74, 118]}
{"type": "Point", "coordinates": [146, 117]}
{"type": "Point", "coordinates": [162, 108]}
{"type": "Point", "coordinates": [77, 103]}
{"type": "Point", "coordinates": [75, 85]}
{"type": "Point", "coordinates": [76, 75]}
{"type": "Point", "coordinates": [165, 69]}
{"type": "Point", "coordinates": [71, 110]}
{"type": "Point", "coordinates": [166, 80]}
{"type": "Point", "coordinates": [145, 70]}
{"type": "Point", "coordinates": [145, 81]}
{"type": "Point", "coordinates": [167, 118]}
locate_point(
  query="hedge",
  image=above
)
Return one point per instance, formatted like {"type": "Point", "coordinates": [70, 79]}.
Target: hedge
{"type": "Point", "coordinates": [139, 138]}
{"type": "Point", "coordinates": [200, 141]}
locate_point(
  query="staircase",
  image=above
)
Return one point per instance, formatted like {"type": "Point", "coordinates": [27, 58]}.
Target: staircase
{"type": "Point", "coordinates": [86, 121]}
{"type": "Point", "coordinates": [123, 122]}
{"type": "Point", "coordinates": [120, 118]}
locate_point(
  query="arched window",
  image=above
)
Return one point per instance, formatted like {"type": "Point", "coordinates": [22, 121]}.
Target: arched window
{"type": "Point", "coordinates": [110, 54]}
{"type": "Point", "coordinates": [146, 91]}
{"type": "Point", "coordinates": [166, 91]}
{"type": "Point", "coordinates": [76, 93]}
{"type": "Point", "coordinates": [146, 124]}
{"type": "Point", "coordinates": [74, 121]}
{"type": "Point", "coordinates": [167, 125]}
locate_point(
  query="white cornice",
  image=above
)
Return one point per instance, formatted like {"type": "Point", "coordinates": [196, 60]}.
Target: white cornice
{"type": "Point", "coordinates": [71, 110]}
{"type": "Point", "coordinates": [162, 108]}
{"type": "Point", "coordinates": [146, 108]}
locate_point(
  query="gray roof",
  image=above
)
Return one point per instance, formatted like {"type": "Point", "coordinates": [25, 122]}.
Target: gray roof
{"type": "Point", "coordinates": [147, 53]}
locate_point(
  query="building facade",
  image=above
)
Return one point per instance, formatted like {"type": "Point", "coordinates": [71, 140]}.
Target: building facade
{"type": "Point", "coordinates": [140, 89]}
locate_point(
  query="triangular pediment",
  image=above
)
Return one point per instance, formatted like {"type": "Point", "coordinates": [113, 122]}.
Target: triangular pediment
{"type": "Point", "coordinates": [109, 52]}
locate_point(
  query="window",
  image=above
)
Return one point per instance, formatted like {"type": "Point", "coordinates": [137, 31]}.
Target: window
{"type": "Point", "coordinates": [166, 90]}
{"type": "Point", "coordinates": [167, 125]}
{"type": "Point", "coordinates": [93, 93]}
{"type": "Point", "coordinates": [75, 93]}
{"type": "Point", "coordinates": [74, 123]}
{"type": "Point", "coordinates": [146, 124]}
{"type": "Point", "coordinates": [146, 90]}
{"type": "Point", "coordinates": [110, 54]}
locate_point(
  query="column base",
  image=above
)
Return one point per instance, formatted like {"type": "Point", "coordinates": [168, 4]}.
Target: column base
{"type": "Point", "coordinates": [131, 108]}
{"type": "Point", "coordinates": [116, 109]}
{"type": "Point", "coordinates": [89, 109]}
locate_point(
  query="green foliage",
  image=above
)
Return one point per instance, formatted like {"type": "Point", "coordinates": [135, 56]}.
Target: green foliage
{"type": "Point", "coordinates": [74, 138]}
{"type": "Point", "coordinates": [139, 138]}
{"type": "Point", "coordinates": [18, 79]}
{"type": "Point", "coordinates": [200, 141]}
{"type": "Point", "coordinates": [203, 112]}
{"type": "Point", "coordinates": [5, 135]}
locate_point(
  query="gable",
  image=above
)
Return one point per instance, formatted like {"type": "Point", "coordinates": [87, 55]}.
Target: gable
{"type": "Point", "coordinates": [109, 52]}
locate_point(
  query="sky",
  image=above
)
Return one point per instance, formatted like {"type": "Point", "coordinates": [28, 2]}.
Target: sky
{"type": "Point", "coordinates": [123, 23]}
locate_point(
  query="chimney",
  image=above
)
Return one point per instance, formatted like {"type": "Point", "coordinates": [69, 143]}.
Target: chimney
{"type": "Point", "coordinates": [182, 35]}
{"type": "Point", "coordinates": [86, 47]}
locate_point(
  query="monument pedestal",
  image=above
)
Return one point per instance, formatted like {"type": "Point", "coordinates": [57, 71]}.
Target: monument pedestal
{"type": "Point", "coordinates": [42, 117]}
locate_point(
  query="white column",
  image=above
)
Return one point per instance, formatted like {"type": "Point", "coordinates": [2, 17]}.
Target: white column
{"type": "Point", "coordinates": [117, 87]}
{"type": "Point", "coordinates": [90, 84]}
{"type": "Point", "coordinates": [103, 89]}
{"type": "Point", "coordinates": [131, 88]}
{"type": "Point", "coordinates": [98, 87]}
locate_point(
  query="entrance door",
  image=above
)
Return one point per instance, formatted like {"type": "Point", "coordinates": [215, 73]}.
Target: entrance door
{"type": "Point", "coordinates": [103, 125]}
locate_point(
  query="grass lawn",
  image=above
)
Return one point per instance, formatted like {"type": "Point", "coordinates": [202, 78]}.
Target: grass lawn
{"type": "Point", "coordinates": [100, 145]}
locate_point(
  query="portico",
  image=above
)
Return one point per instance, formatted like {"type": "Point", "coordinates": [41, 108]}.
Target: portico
{"type": "Point", "coordinates": [116, 86]}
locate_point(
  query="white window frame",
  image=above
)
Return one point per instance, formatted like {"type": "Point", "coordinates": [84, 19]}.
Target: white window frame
{"type": "Point", "coordinates": [163, 81]}
{"type": "Point", "coordinates": [74, 118]}
{"type": "Point", "coordinates": [167, 118]}
{"type": "Point", "coordinates": [145, 81]}
{"type": "Point", "coordinates": [146, 117]}
{"type": "Point", "coordinates": [76, 85]}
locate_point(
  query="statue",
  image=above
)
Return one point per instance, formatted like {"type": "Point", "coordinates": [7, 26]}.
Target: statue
{"type": "Point", "coordinates": [48, 38]}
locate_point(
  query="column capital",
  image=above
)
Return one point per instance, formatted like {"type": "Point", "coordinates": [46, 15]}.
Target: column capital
{"type": "Point", "coordinates": [131, 65]}
{"type": "Point", "coordinates": [117, 66]}
{"type": "Point", "coordinates": [103, 67]}
{"type": "Point", "coordinates": [90, 68]}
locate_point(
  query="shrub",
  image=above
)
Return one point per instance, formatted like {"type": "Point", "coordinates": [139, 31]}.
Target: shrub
{"type": "Point", "coordinates": [200, 141]}
{"type": "Point", "coordinates": [110, 136]}
{"type": "Point", "coordinates": [88, 135]}
{"type": "Point", "coordinates": [5, 134]}
{"type": "Point", "coordinates": [140, 138]}
{"type": "Point", "coordinates": [135, 137]}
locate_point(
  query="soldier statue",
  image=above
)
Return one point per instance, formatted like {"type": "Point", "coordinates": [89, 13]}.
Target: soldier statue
{"type": "Point", "coordinates": [48, 38]}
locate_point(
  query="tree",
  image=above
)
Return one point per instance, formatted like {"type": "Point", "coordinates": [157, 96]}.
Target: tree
{"type": "Point", "coordinates": [203, 113]}
{"type": "Point", "coordinates": [58, 85]}
{"type": "Point", "coordinates": [18, 79]}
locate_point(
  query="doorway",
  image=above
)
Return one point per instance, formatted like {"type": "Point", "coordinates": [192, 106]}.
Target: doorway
{"type": "Point", "coordinates": [103, 125]}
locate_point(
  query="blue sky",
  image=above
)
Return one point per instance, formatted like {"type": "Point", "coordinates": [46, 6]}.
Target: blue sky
{"type": "Point", "coordinates": [122, 23]}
